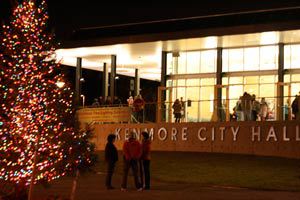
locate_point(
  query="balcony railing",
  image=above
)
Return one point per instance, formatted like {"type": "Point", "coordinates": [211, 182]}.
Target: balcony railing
{"type": "Point", "coordinates": [209, 111]}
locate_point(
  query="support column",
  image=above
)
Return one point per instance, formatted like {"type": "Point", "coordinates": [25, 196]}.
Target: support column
{"type": "Point", "coordinates": [218, 101]}
{"type": "Point", "coordinates": [113, 71]}
{"type": "Point", "coordinates": [161, 107]}
{"type": "Point", "coordinates": [105, 81]}
{"type": "Point", "coordinates": [163, 69]}
{"type": "Point", "coordinates": [77, 81]}
{"type": "Point", "coordinates": [136, 83]}
{"type": "Point", "coordinates": [280, 92]}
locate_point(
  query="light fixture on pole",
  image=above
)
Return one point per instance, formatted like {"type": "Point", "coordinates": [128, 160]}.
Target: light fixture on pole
{"type": "Point", "coordinates": [83, 100]}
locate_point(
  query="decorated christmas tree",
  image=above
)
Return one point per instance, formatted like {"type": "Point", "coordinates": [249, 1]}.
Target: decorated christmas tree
{"type": "Point", "coordinates": [38, 138]}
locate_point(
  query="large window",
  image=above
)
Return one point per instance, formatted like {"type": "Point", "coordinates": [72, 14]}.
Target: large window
{"type": "Point", "coordinates": [200, 92]}
{"type": "Point", "coordinates": [292, 56]}
{"type": "Point", "coordinates": [291, 87]}
{"type": "Point", "coordinates": [193, 76]}
{"type": "Point", "coordinates": [192, 62]}
{"type": "Point", "coordinates": [250, 59]}
{"type": "Point", "coordinates": [260, 86]}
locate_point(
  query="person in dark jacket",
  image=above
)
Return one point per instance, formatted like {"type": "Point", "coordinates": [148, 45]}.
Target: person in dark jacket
{"type": "Point", "coordinates": [145, 158]}
{"type": "Point", "coordinates": [111, 157]}
{"type": "Point", "coordinates": [132, 154]}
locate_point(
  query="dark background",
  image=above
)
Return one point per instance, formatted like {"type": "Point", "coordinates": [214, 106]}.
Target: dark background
{"type": "Point", "coordinates": [69, 17]}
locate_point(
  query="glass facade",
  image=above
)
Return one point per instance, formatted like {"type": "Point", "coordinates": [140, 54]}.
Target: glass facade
{"type": "Point", "coordinates": [250, 59]}
{"type": "Point", "coordinates": [191, 62]}
{"type": "Point", "coordinates": [253, 69]}
{"type": "Point", "coordinates": [199, 92]}
{"type": "Point", "coordinates": [260, 86]}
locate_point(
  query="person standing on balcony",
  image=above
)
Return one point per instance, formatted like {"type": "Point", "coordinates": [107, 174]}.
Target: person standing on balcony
{"type": "Point", "coordinates": [263, 109]}
{"type": "Point", "coordinates": [177, 110]}
{"type": "Point", "coordinates": [130, 102]}
{"type": "Point", "coordinates": [255, 108]}
{"type": "Point", "coordinates": [138, 107]}
{"type": "Point", "coordinates": [95, 103]}
{"type": "Point", "coordinates": [296, 107]}
{"type": "Point", "coordinates": [246, 103]}
{"type": "Point", "coordinates": [182, 102]}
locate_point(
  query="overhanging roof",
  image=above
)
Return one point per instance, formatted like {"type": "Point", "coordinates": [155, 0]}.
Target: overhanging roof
{"type": "Point", "coordinates": [146, 56]}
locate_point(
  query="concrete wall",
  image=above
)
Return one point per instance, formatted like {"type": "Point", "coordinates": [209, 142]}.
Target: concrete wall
{"type": "Point", "coordinates": [257, 138]}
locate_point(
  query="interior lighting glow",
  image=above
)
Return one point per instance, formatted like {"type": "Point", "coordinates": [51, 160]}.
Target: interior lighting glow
{"type": "Point", "coordinates": [269, 38]}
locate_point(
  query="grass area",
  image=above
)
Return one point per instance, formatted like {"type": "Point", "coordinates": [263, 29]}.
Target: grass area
{"type": "Point", "coordinates": [206, 169]}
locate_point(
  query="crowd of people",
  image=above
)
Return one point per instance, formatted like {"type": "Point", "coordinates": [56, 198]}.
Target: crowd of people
{"type": "Point", "coordinates": [104, 102]}
{"type": "Point", "coordinates": [136, 156]}
{"type": "Point", "coordinates": [137, 105]}
{"type": "Point", "coordinates": [248, 108]}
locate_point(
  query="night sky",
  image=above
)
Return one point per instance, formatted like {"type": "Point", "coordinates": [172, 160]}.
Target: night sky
{"type": "Point", "coordinates": [69, 16]}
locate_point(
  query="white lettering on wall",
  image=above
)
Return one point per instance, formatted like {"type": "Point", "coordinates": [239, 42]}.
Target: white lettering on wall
{"type": "Point", "coordinates": [151, 132]}
{"type": "Point", "coordinates": [174, 134]}
{"type": "Point", "coordinates": [137, 133]}
{"type": "Point", "coordinates": [222, 129]}
{"type": "Point", "coordinates": [297, 133]}
{"type": "Point", "coordinates": [165, 134]}
{"type": "Point", "coordinates": [271, 134]}
{"type": "Point", "coordinates": [203, 133]}
{"type": "Point", "coordinates": [184, 133]}
{"type": "Point", "coordinates": [117, 133]}
{"type": "Point", "coordinates": [235, 132]}
{"type": "Point", "coordinates": [126, 133]}
{"type": "Point", "coordinates": [213, 134]}
{"type": "Point", "coordinates": [199, 134]}
{"type": "Point", "coordinates": [257, 133]}
{"type": "Point", "coordinates": [285, 138]}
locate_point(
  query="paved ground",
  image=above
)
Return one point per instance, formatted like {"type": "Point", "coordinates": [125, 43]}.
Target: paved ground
{"type": "Point", "coordinates": [91, 187]}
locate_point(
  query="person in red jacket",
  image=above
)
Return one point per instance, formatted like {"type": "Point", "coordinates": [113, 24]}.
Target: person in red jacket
{"type": "Point", "coordinates": [146, 148]}
{"type": "Point", "coordinates": [132, 153]}
{"type": "Point", "coordinates": [138, 108]}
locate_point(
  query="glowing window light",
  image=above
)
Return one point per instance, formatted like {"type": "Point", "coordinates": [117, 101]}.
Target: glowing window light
{"type": "Point", "coordinates": [269, 38]}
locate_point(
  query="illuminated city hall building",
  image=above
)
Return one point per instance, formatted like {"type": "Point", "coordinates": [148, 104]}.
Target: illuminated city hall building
{"type": "Point", "coordinates": [209, 62]}
{"type": "Point", "coordinates": [212, 72]}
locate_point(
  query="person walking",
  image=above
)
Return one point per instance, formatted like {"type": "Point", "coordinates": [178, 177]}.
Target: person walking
{"type": "Point", "coordinates": [132, 153]}
{"type": "Point", "coordinates": [145, 158]}
{"type": "Point", "coordinates": [111, 157]}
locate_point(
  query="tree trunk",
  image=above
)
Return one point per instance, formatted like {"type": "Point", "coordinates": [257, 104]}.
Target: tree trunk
{"type": "Point", "coordinates": [74, 186]}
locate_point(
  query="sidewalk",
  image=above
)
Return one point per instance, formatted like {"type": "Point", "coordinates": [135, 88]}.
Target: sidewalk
{"type": "Point", "coordinates": [91, 187]}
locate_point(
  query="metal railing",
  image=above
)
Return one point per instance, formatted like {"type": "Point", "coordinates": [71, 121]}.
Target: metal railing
{"type": "Point", "coordinates": [209, 110]}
